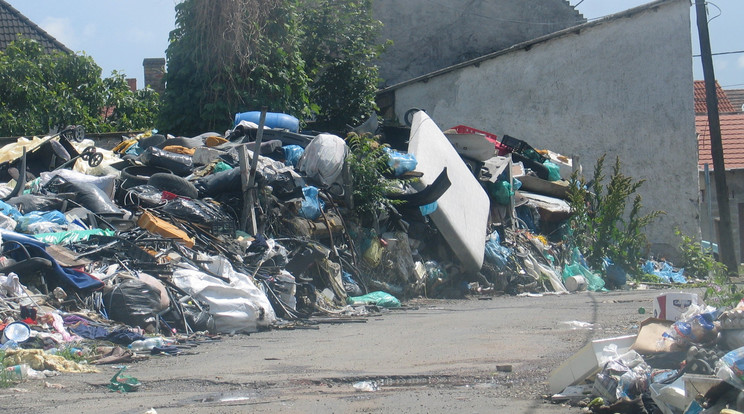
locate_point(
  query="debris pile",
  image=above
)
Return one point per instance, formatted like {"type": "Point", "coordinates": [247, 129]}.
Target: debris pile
{"type": "Point", "coordinates": [687, 358]}
{"type": "Point", "coordinates": [162, 242]}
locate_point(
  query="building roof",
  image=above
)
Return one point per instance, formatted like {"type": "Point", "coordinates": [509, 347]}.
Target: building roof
{"type": "Point", "coordinates": [736, 97]}
{"type": "Point", "coordinates": [732, 136]}
{"type": "Point", "coordinates": [701, 107]}
{"type": "Point", "coordinates": [13, 23]}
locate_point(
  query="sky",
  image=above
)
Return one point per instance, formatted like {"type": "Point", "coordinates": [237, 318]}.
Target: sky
{"type": "Point", "coordinates": [119, 34]}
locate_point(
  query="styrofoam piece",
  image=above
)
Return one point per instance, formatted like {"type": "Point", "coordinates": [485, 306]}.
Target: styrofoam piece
{"type": "Point", "coordinates": [586, 362]}
{"type": "Point", "coordinates": [462, 213]}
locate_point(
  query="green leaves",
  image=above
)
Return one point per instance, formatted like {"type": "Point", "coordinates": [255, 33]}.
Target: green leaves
{"type": "Point", "coordinates": [40, 92]}
{"type": "Point", "coordinates": [603, 224]}
{"type": "Point", "coordinates": [308, 58]}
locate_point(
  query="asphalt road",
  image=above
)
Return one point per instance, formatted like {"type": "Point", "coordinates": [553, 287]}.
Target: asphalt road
{"type": "Point", "coordinates": [434, 356]}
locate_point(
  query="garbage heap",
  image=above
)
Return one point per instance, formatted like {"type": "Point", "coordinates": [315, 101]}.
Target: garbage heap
{"type": "Point", "coordinates": [687, 359]}
{"type": "Point", "coordinates": [176, 239]}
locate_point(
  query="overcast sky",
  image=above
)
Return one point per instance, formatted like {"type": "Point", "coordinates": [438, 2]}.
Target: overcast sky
{"type": "Point", "coordinates": [119, 34]}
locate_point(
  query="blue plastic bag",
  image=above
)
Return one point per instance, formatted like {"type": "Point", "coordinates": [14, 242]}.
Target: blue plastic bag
{"type": "Point", "coordinates": [292, 154]}
{"type": "Point", "coordinates": [378, 298]}
{"type": "Point", "coordinates": [9, 210]}
{"type": "Point", "coordinates": [311, 203]}
{"type": "Point", "coordinates": [496, 253]}
{"type": "Point", "coordinates": [26, 220]}
{"type": "Point", "coordinates": [666, 272]}
{"type": "Point", "coordinates": [400, 162]}
{"type": "Point", "coordinates": [428, 209]}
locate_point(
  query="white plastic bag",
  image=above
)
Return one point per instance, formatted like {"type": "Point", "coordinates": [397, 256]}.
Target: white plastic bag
{"type": "Point", "coordinates": [324, 159]}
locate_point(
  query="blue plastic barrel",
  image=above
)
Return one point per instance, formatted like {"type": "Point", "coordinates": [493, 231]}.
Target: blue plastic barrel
{"type": "Point", "coordinates": [273, 120]}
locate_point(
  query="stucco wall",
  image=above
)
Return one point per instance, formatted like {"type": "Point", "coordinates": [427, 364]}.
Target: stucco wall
{"type": "Point", "coordinates": [622, 86]}
{"type": "Point", "coordinates": [735, 184]}
{"type": "Point", "coordinates": [430, 35]}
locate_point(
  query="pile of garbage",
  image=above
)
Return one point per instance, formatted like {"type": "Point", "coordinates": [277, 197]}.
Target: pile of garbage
{"type": "Point", "coordinates": [688, 359]}
{"type": "Point", "coordinates": [160, 242]}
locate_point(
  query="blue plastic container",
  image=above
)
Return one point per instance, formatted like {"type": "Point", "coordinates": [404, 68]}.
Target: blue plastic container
{"type": "Point", "coordinates": [273, 120]}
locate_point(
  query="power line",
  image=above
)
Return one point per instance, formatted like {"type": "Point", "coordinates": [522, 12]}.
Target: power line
{"type": "Point", "coordinates": [723, 53]}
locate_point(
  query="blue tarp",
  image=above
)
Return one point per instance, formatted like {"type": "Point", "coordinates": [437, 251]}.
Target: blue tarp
{"type": "Point", "coordinates": [36, 248]}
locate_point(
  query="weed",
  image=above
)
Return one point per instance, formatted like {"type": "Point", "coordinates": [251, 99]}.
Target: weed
{"type": "Point", "coordinates": [603, 225]}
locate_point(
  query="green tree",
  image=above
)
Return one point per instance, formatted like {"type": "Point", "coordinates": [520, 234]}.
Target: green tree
{"type": "Point", "coordinates": [302, 57]}
{"type": "Point", "coordinates": [602, 222]}
{"type": "Point", "coordinates": [339, 51]}
{"type": "Point", "coordinates": [42, 92]}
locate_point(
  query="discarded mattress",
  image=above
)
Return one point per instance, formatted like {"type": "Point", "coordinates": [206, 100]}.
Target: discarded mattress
{"type": "Point", "coordinates": [462, 213]}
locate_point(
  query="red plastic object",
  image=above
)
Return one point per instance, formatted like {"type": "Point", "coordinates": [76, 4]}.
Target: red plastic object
{"type": "Point", "coordinates": [463, 129]}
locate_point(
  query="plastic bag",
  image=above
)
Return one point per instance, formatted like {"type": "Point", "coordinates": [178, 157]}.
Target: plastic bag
{"type": "Point", "coordinates": [219, 183]}
{"type": "Point", "coordinates": [34, 217]}
{"type": "Point", "coordinates": [400, 162]}
{"type": "Point", "coordinates": [7, 222]}
{"type": "Point", "coordinates": [501, 192]}
{"type": "Point", "coordinates": [311, 203]}
{"type": "Point", "coordinates": [378, 298]}
{"type": "Point", "coordinates": [496, 253]}
{"type": "Point", "coordinates": [105, 183]}
{"type": "Point", "coordinates": [730, 368]}
{"type": "Point", "coordinates": [180, 164]}
{"type": "Point", "coordinates": [133, 302]}
{"type": "Point", "coordinates": [578, 267]}
{"type": "Point", "coordinates": [428, 208]}
{"type": "Point", "coordinates": [324, 158]}
{"type": "Point", "coordinates": [292, 154]}
{"type": "Point", "coordinates": [73, 236]}
{"type": "Point", "coordinates": [9, 210]}
{"type": "Point", "coordinates": [554, 171]}
{"type": "Point", "coordinates": [697, 329]}
{"type": "Point", "coordinates": [666, 272]}
{"type": "Point", "coordinates": [91, 197]}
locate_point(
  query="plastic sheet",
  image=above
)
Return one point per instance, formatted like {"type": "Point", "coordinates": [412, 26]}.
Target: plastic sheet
{"type": "Point", "coordinates": [72, 236]}
{"type": "Point", "coordinates": [378, 298]}
{"type": "Point", "coordinates": [105, 183]}
{"type": "Point", "coordinates": [578, 267]}
{"type": "Point", "coordinates": [238, 306]}
{"type": "Point", "coordinates": [400, 162]}
{"type": "Point", "coordinates": [666, 272]}
{"type": "Point", "coordinates": [35, 217]}
{"type": "Point", "coordinates": [324, 159]}
{"type": "Point", "coordinates": [133, 302]}
{"type": "Point", "coordinates": [496, 253]}
{"type": "Point", "coordinates": [554, 171]}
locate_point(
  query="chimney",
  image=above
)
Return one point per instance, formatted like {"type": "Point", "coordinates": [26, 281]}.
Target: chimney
{"type": "Point", "coordinates": [132, 83]}
{"type": "Point", "coordinates": [154, 71]}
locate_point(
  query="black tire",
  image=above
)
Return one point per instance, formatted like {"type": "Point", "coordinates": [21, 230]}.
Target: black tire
{"type": "Point", "coordinates": [151, 141]}
{"type": "Point", "coordinates": [138, 175]}
{"type": "Point", "coordinates": [174, 184]}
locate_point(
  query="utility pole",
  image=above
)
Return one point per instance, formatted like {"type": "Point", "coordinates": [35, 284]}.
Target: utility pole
{"type": "Point", "coordinates": [726, 240]}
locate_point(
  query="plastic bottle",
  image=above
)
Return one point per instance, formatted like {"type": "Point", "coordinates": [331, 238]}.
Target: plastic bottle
{"type": "Point", "coordinates": [22, 372]}
{"type": "Point", "coordinates": [147, 344]}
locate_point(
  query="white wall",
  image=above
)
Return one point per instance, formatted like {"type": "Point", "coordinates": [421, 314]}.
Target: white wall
{"type": "Point", "coordinates": [622, 86]}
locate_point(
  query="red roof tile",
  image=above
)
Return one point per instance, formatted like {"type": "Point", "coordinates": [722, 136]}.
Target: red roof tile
{"type": "Point", "coordinates": [732, 135]}
{"type": "Point", "coordinates": [724, 105]}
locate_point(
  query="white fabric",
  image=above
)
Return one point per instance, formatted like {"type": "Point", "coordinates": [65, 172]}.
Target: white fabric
{"type": "Point", "coordinates": [239, 306]}
{"type": "Point", "coordinates": [324, 158]}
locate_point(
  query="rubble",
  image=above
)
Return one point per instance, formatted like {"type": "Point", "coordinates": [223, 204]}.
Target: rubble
{"type": "Point", "coordinates": [112, 256]}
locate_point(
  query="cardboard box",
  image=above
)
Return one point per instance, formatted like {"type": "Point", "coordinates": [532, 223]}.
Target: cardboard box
{"type": "Point", "coordinates": [650, 334]}
{"type": "Point", "coordinates": [671, 306]}
{"type": "Point", "coordinates": [585, 362]}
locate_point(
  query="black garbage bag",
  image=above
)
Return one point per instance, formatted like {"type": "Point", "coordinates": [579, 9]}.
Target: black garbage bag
{"type": "Point", "coordinates": [180, 164]}
{"type": "Point", "coordinates": [132, 302]}
{"type": "Point", "coordinates": [285, 186]}
{"type": "Point", "coordinates": [90, 197]}
{"type": "Point", "coordinates": [222, 182]}
{"type": "Point", "coordinates": [201, 212]}
{"type": "Point", "coordinates": [31, 202]}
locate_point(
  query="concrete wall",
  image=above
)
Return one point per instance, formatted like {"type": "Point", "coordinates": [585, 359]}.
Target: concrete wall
{"type": "Point", "coordinates": [430, 35]}
{"type": "Point", "coordinates": [735, 184]}
{"type": "Point", "coordinates": [622, 86]}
